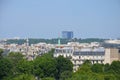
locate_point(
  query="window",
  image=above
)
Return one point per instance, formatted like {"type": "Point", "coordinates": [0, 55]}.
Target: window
{"type": "Point", "coordinates": [97, 61]}
{"type": "Point", "coordinates": [75, 61]}
{"type": "Point", "coordinates": [93, 62]}
{"type": "Point", "coordinates": [101, 61]}
{"type": "Point", "coordinates": [119, 50]}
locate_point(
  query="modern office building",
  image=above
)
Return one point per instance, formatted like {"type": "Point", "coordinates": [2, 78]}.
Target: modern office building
{"type": "Point", "coordinates": [67, 34]}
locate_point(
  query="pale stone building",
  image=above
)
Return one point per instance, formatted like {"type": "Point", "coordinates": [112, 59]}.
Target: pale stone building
{"type": "Point", "coordinates": [94, 54]}
{"type": "Point", "coordinates": [112, 54]}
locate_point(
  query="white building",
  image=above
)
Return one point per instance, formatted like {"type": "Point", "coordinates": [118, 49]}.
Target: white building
{"type": "Point", "coordinates": [96, 54]}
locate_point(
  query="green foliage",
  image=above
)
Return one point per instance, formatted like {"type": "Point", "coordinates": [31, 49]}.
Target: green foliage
{"type": "Point", "coordinates": [87, 62]}
{"type": "Point", "coordinates": [45, 66]}
{"type": "Point", "coordinates": [16, 41]}
{"type": "Point", "coordinates": [21, 77]}
{"type": "Point", "coordinates": [49, 55]}
{"type": "Point", "coordinates": [54, 41]}
{"type": "Point", "coordinates": [24, 77]}
{"type": "Point", "coordinates": [5, 68]}
{"type": "Point", "coordinates": [25, 67]}
{"type": "Point", "coordinates": [109, 77]}
{"type": "Point", "coordinates": [94, 72]}
{"type": "Point", "coordinates": [15, 57]}
{"type": "Point", "coordinates": [63, 64]}
{"type": "Point", "coordinates": [97, 68]}
{"type": "Point", "coordinates": [48, 78]}
{"type": "Point", "coordinates": [1, 51]}
{"type": "Point", "coordinates": [88, 76]}
{"type": "Point", "coordinates": [107, 68]}
{"type": "Point", "coordinates": [86, 67]}
{"type": "Point", "coordinates": [65, 75]}
{"type": "Point", "coordinates": [115, 67]}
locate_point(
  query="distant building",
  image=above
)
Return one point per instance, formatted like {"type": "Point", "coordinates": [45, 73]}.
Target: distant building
{"type": "Point", "coordinates": [95, 55]}
{"type": "Point", "coordinates": [67, 34]}
{"type": "Point", "coordinates": [113, 41]}
{"type": "Point", "coordinates": [78, 53]}
{"type": "Point", "coordinates": [112, 54]}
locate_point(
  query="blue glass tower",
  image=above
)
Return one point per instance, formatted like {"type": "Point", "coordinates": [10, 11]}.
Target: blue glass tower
{"type": "Point", "coordinates": [67, 34]}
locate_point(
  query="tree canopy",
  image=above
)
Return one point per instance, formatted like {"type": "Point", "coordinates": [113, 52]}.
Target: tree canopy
{"type": "Point", "coordinates": [1, 51]}
{"type": "Point", "coordinates": [5, 68]}
{"type": "Point", "coordinates": [46, 67]}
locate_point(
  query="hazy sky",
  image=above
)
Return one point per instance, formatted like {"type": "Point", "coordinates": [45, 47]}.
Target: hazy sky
{"type": "Point", "coordinates": [47, 18]}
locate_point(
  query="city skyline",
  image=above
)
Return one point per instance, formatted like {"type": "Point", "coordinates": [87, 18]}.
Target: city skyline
{"type": "Point", "coordinates": [48, 18]}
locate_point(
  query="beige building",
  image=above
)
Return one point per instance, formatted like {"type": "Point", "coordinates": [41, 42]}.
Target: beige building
{"type": "Point", "coordinates": [78, 56]}
{"type": "Point", "coordinates": [112, 54]}
{"type": "Point", "coordinates": [94, 54]}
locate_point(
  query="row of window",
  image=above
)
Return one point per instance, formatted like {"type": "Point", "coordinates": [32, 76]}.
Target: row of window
{"type": "Point", "coordinates": [89, 53]}
{"type": "Point", "coordinates": [88, 56]}
{"type": "Point", "coordinates": [63, 51]}
{"type": "Point", "coordinates": [92, 61]}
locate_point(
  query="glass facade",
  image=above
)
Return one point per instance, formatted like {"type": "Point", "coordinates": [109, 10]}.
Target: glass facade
{"type": "Point", "coordinates": [67, 34]}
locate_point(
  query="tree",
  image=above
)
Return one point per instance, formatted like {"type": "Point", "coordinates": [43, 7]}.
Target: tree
{"type": "Point", "coordinates": [85, 73]}
{"type": "Point", "coordinates": [109, 77]}
{"type": "Point", "coordinates": [5, 68]}
{"type": "Point", "coordinates": [45, 66]}
{"type": "Point", "coordinates": [107, 68]}
{"type": "Point", "coordinates": [115, 66]}
{"type": "Point", "coordinates": [48, 78]}
{"type": "Point", "coordinates": [25, 67]}
{"type": "Point", "coordinates": [63, 64]}
{"type": "Point", "coordinates": [80, 75]}
{"type": "Point", "coordinates": [97, 68]}
{"type": "Point", "coordinates": [15, 58]}
{"type": "Point", "coordinates": [115, 69]}
{"type": "Point", "coordinates": [21, 77]}
{"type": "Point", "coordinates": [65, 75]}
{"type": "Point", "coordinates": [1, 51]}
{"type": "Point", "coordinates": [87, 62]}
{"type": "Point", "coordinates": [85, 67]}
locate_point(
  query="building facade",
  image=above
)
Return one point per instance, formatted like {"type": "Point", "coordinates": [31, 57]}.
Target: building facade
{"type": "Point", "coordinates": [67, 34]}
{"type": "Point", "coordinates": [112, 54]}
{"type": "Point", "coordinates": [94, 54]}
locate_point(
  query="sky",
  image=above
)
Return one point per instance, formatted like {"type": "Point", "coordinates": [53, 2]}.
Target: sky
{"type": "Point", "coordinates": [48, 18]}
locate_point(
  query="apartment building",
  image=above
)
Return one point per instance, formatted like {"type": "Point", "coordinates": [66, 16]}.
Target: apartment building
{"type": "Point", "coordinates": [112, 54]}
{"type": "Point", "coordinates": [95, 54]}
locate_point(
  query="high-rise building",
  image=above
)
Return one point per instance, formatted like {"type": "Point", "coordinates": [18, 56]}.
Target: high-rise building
{"type": "Point", "coordinates": [67, 34]}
